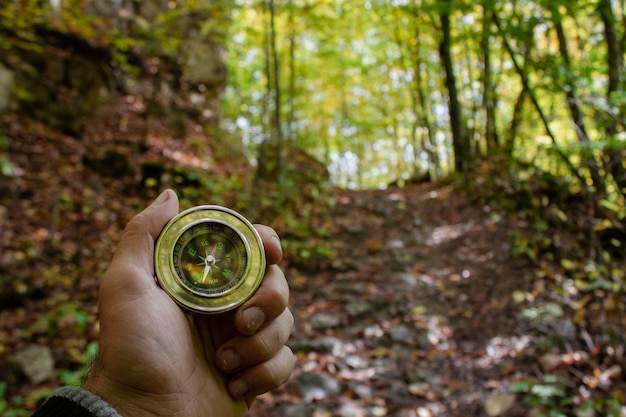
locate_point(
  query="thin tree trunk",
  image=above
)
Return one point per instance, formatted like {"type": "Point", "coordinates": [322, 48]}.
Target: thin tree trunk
{"type": "Point", "coordinates": [515, 122]}
{"type": "Point", "coordinates": [291, 134]}
{"type": "Point", "coordinates": [460, 142]}
{"type": "Point", "coordinates": [533, 98]}
{"type": "Point", "coordinates": [277, 130]}
{"type": "Point", "coordinates": [489, 99]}
{"type": "Point", "coordinates": [269, 159]}
{"type": "Point", "coordinates": [419, 105]}
{"type": "Point", "coordinates": [615, 63]}
{"type": "Point", "coordinates": [574, 107]}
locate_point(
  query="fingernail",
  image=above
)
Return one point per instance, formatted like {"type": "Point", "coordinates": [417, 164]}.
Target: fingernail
{"type": "Point", "coordinates": [253, 319]}
{"type": "Point", "coordinates": [276, 239]}
{"type": "Point", "coordinates": [162, 198]}
{"type": "Point", "coordinates": [230, 360]}
{"type": "Point", "coordinates": [238, 388]}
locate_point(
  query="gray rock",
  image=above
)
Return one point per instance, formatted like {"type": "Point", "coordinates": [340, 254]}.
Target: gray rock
{"type": "Point", "coordinates": [317, 386]}
{"type": "Point", "coordinates": [402, 334]}
{"type": "Point", "coordinates": [359, 308]}
{"type": "Point", "coordinates": [326, 344]}
{"type": "Point", "coordinates": [36, 362]}
{"type": "Point", "coordinates": [321, 321]}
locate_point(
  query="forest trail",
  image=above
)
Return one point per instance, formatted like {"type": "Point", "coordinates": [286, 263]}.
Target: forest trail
{"type": "Point", "coordinates": [415, 317]}
{"type": "Point", "coordinates": [412, 316]}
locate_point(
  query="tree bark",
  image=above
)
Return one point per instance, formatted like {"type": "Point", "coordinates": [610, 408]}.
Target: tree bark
{"type": "Point", "coordinates": [489, 96]}
{"type": "Point", "coordinates": [460, 140]}
{"type": "Point", "coordinates": [574, 108]}
{"type": "Point", "coordinates": [614, 158]}
{"type": "Point", "coordinates": [269, 159]}
{"type": "Point", "coordinates": [515, 122]}
{"type": "Point", "coordinates": [420, 107]}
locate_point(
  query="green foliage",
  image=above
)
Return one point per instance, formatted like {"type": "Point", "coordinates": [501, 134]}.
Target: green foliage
{"type": "Point", "coordinates": [75, 377]}
{"type": "Point", "coordinates": [608, 407]}
{"type": "Point", "coordinates": [548, 311]}
{"type": "Point", "coordinates": [6, 168]}
{"type": "Point", "coordinates": [308, 254]}
{"type": "Point", "coordinates": [14, 407]}
{"type": "Point", "coordinates": [70, 313]}
{"type": "Point", "coordinates": [366, 102]}
{"type": "Point", "coordinates": [549, 396]}
{"type": "Point", "coordinates": [552, 398]}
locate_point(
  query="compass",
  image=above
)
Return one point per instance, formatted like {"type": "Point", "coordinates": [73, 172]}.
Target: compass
{"type": "Point", "coordinates": [209, 259]}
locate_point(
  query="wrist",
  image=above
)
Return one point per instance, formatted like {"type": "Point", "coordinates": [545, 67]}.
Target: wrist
{"type": "Point", "coordinates": [128, 402]}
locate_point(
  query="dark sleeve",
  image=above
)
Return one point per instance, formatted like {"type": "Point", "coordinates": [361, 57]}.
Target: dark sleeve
{"type": "Point", "coordinates": [75, 402]}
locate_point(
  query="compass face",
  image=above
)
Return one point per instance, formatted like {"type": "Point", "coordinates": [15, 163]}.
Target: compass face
{"type": "Point", "coordinates": [209, 259]}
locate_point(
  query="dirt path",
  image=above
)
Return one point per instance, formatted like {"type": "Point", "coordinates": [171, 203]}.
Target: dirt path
{"type": "Point", "coordinates": [414, 318]}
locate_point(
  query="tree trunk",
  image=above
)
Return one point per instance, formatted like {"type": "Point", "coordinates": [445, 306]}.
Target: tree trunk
{"type": "Point", "coordinates": [269, 159]}
{"type": "Point", "coordinates": [515, 122]}
{"type": "Point", "coordinates": [533, 98]}
{"type": "Point", "coordinates": [460, 141]}
{"type": "Point", "coordinates": [614, 158]}
{"type": "Point", "coordinates": [420, 107]}
{"type": "Point", "coordinates": [574, 108]}
{"type": "Point", "coordinates": [489, 98]}
{"type": "Point", "coordinates": [290, 125]}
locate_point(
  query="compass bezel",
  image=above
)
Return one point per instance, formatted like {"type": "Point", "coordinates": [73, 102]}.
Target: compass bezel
{"type": "Point", "coordinates": [168, 247]}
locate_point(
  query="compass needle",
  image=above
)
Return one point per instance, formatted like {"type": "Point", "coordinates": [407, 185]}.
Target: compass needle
{"type": "Point", "coordinates": [207, 269]}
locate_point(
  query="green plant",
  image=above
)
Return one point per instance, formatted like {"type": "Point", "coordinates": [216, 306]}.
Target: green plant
{"type": "Point", "coordinates": [67, 314]}
{"type": "Point", "coordinates": [551, 398]}
{"type": "Point", "coordinates": [13, 407]}
{"type": "Point", "coordinates": [547, 311]}
{"type": "Point", "coordinates": [608, 407]}
{"type": "Point", "coordinates": [6, 168]}
{"type": "Point", "coordinates": [74, 377]}
{"type": "Point", "coordinates": [549, 395]}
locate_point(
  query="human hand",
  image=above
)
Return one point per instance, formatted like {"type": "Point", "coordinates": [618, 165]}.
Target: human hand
{"type": "Point", "coordinates": [156, 360]}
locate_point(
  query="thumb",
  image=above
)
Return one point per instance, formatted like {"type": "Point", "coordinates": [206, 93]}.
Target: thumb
{"type": "Point", "coordinates": [135, 251]}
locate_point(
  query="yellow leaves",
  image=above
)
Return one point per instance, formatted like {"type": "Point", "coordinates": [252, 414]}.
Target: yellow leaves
{"type": "Point", "coordinates": [420, 309]}
{"type": "Point", "coordinates": [582, 303]}
{"type": "Point", "coordinates": [518, 296]}
{"type": "Point", "coordinates": [568, 264]}
{"type": "Point", "coordinates": [603, 225]}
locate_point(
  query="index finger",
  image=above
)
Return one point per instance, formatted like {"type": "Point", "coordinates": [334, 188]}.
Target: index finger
{"type": "Point", "coordinates": [271, 241]}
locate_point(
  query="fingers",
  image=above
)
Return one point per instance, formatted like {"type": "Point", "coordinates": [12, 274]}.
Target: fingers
{"type": "Point", "coordinates": [258, 357]}
{"type": "Point", "coordinates": [264, 377]}
{"type": "Point", "coordinates": [271, 298]}
{"type": "Point", "coordinates": [271, 241]}
{"type": "Point", "coordinates": [245, 351]}
{"type": "Point", "coordinates": [267, 303]}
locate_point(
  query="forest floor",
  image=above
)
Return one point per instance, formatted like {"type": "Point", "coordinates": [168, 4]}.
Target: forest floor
{"type": "Point", "coordinates": [415, 311]}
{"type": "Point", "coordinates": [415, 316]}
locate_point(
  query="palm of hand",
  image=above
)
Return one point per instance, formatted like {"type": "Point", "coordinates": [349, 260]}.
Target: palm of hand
{"type": "Point", "coordinates": [169, 356]}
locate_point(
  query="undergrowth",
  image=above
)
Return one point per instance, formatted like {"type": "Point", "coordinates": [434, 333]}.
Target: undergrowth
{"type": "Point", "coordinates": [575, 238]}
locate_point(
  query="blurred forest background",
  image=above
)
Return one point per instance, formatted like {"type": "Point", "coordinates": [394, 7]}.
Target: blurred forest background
{"type": "Point", "coordinates": [448, 178]}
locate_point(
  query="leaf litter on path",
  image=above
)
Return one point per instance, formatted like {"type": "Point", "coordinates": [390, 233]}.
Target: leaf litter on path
{"type": "Point", "coordinates": [416, 315]}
